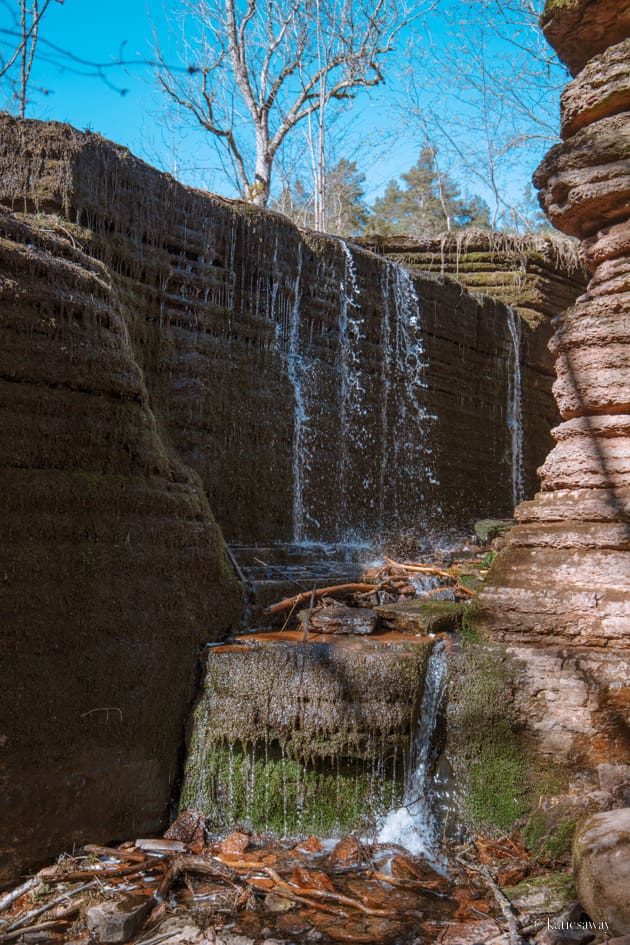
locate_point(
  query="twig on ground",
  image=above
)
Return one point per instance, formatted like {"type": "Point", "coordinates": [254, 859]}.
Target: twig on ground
{"type": "Point", "coordinates": [34, 913]}
{"type": "Point", "coordinates": [10, 897]}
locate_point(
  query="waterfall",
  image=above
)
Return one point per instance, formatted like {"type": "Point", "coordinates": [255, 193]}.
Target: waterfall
{"type": "Point", "coordinates": [406, 460]}
{"type": "Point", "coordinates": [413, 824]}
{"type": "Point", "coordinates": [351, 387]}
{"type": "Point", "coordinates": [386, 360]}
{"type": "Point", "coordinates": [515, 408]}
{"type": "Point", "coordinates": [297, 372]}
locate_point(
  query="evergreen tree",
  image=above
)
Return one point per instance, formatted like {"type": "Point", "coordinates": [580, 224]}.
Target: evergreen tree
{"type": "Point", "coordinates": [430, 203]}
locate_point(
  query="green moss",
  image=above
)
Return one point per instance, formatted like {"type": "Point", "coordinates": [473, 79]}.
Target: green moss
{"type": "Point", "coordinates": [560, 885]}
{"type": "Point", "coordinates": [470, 617]}
{"type": "Point", "coordinates": [266, 790]}
{"type": "Point", "coordinates": [497, 789]}
{"type": "Point", "coordinates": [545, 840]}
{"type": "Point", "coordinates": [491, 763]}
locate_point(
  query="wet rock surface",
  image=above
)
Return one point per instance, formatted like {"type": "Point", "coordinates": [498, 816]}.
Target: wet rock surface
{"type": "Point", "coordinates": [281, 893]}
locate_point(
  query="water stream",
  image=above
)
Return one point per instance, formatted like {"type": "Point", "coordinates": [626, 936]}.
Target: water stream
{"type": "Point", "coordinates": [515, 407]}
{"type": "Point", "coordinates": [413, 825]}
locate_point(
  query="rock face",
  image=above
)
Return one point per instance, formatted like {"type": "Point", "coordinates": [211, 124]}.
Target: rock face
{"type": "Point", "coordinates": [560, 592]}
{"type": "Point", "coordinates": [166, 353]}
{"type": "Point", "coordinates": [538, 276]}
{"type": "Point", "coordinates": [373, 380]}
{"type": "Point", "coordinates": [109, 546]}
{"type": "Point", "coordinates": [601, 856]}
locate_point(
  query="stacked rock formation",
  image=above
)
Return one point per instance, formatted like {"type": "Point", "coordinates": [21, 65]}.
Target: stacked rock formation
{"type": "Point", "coordinates": [538, 276]}
{"type": "Point", "coordinates": [561, 589]}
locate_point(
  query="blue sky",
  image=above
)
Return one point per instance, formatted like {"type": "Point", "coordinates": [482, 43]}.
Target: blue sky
{"type": "Point", "coordinates": [96, 32]}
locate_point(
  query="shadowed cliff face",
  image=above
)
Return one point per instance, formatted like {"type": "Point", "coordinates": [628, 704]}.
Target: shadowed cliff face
{"type": "Point", "coordinates": [564, 580]}
{"type": "Point", "coordinates": [109, 551]}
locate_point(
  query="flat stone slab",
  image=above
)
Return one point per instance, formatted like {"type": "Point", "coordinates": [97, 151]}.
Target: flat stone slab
{"type": "Point", "coordinates": [418, 616]}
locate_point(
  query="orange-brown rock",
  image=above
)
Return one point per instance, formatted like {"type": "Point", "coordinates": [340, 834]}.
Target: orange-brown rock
{"type": "Point", "coordinates": [602, 89]}
{"type": "Point", "coordinates": [580, 29]}
{"type": "Point", "coordinates": [560, 592]}
{"type": "Point", "coordinates": [584, 182]}
{"type": "Point", "coordinates": [234, 843]}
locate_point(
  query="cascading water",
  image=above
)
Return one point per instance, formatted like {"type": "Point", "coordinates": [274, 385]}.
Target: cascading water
{"type": "Point", "coordinates": [350, 380]}
{"type": "Point", "coordinates": [406, 456]}
{"type": "Point", "coordinates": [298, 372]}
{"type": "Point", "coordinates": [515, 407]}
{"type": "Point", "coordinates": [413, 824]}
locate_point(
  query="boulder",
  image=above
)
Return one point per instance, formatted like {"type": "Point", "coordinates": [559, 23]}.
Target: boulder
{"type": "Point", "coordinates": [341, 619]}
{"type": "Point", "coordinates": [601, 856]}
{"type": "Point", "coordinates": [118, 920]}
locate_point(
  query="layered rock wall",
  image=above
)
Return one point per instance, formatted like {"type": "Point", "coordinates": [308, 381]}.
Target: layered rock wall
{"type": "Point", "coordinates": [539, 276]}
{"type": "Point", "coordinates": [109, 549]}
{"type": "Point", "coordinates": [318, 391]}
{"type": "Point", "coordinates": [560, 593]}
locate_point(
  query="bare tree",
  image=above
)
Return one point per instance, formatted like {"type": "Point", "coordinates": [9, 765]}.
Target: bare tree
{"type": "Point", "coordinates": [258, 68]}
{"type": "Point", "coordinates": [488, 98]}
{"type": "Point", "coordinates": [26, 18]}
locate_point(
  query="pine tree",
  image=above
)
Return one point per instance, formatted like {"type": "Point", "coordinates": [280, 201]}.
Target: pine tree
{"type": "Point", "coordinates": [430, 203]}
{"type": "Point", "coordinates": [345, 212]}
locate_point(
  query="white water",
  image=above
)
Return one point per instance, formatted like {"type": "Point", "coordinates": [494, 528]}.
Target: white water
{"type": "Point", "coordinates": [297, 373]}
{"type": "Point", "coordinates": [515, 408]}
{"type": "Point", "coordinates": [351, 384]}
{"type": "Point", "coordinates": [413, 824]}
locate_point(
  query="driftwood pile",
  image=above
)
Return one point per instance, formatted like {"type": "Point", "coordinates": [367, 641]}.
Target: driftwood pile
{"type": "Point", "coordinates": [390, 582]}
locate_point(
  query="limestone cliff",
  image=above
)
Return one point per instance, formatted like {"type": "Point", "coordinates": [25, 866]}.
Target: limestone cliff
{"type": "Point", "coordinates": [319, 391]}
{"type": "Point", "coordinates": [560, 593]}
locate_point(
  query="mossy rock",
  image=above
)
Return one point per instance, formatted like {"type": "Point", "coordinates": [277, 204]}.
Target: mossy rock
{"type": "Point", "coordinates": [543, 895]}
{"type": "Point", "coordinates": [262, 788]}
{"type": "Point", "coordinates": [488, 528]}
{"type": "Point", "coordinates": [417, 616]}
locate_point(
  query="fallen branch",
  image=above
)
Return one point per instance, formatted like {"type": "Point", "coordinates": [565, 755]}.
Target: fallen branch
{"type": "Point", "coordinates": [108, 872]}
{"type": "Point", "coordinates": [10, 897]}
{"type": "Point", "coordinates": [501, 900]}
{"type": "Point", "coordinates": [115, 853]}
{"type": "Point", "coordinates": [407, 883]}
{"type": "Point", "coordinates": [194, 864]}
{"type": "Point", "coordinates": [280, 573]}
{"type": "Point", "coordinates": [312, 892]}
{"type": "Point", "coordinates": [419, 568]}
{"type": "Point", "coordinates": [320, 592]}
{"type": "Point", "coordinates": [59, 924]}
{"type": "Point", "coordinates": [29, 916]}
{"type": "Point", "coordinates": [292, 895]}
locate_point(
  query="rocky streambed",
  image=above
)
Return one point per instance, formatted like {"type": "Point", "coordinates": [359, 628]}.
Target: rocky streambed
{"type": "Point", "coordinates": [191, 887]}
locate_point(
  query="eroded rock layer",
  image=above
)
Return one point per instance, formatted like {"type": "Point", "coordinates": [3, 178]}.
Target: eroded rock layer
{"type": "Point", "coordinates": [319, 392]}
{"type": "Point", "coordinates": [538, 276]}
{"type": "Point", "coordinates": [109, 547]}
{"type": "Point", "coordinates": [299, 738]}
{"type": "Point", "coordinates": [561, 589]}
